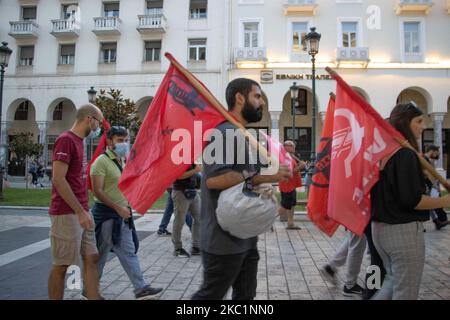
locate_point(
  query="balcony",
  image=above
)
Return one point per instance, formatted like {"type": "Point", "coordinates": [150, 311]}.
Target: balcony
{"type": "Point", "coordinates": [24, 29]}
{"type": "Point", "coordinates": [65, 28]}
{"type": "Point", "coordinates": [421, 7]}
{"type": "Point", "coordinates": [106, 26]}
{"type": "Point", "coordinates": [151, 23]}
{"type": "Point", "coordinates": [353, 56]}
{"type": "Point", "coordinates": [250, 56]}
{"type": "Point", "coordinates": [300, 7]}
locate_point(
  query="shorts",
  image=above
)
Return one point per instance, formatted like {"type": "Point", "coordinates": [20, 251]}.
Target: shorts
{"type": "Point", "coordinates": [289, 199]}
{"type": "Point", "coordinates": [69, 240]}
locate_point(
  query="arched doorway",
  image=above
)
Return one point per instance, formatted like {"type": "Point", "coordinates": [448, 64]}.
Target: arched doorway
{"type": "Point", "coordinates": [21, 115]}
{"type": "Point", "coordinates": [142, 106]}
{"type": "Point", "coordinates": [61, 115]}
{"type": "Point", "coordinates": [303, 121]}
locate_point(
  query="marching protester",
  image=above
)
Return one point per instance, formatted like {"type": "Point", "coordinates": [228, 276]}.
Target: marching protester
{"type": "Point", "coordinates": [229, 261]}
{"type": "Point", "coordinates": [186, 199]}
{"type": "Point", "coordinates": [168, 211]}
{"type": "Point", "coordinates": [439, 216]}
{"type": "Point", "coordinates": [399, 206]}
{"type": "Point", "coordinates": [72, 228]}
{"type": "Point", "coordinates": [114, 227]}
{"type": "Point", "coordinates": [351, 252]}
{"type": "Point", "coordinates": [288, 190]}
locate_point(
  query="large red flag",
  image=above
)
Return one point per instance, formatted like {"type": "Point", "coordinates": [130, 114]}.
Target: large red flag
{"type": "Point", "coordinates": [318, 190]}
{"type": "Point", "coordinates": [98, 151]}
{"type": "Point", "coordinates": [151, 166]}
{"type": "Point", "coordinates": [361, 138]}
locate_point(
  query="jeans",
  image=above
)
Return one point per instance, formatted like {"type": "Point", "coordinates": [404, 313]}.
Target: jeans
{"type": "Point", "coordinates": [168, 214]}
{"type": "Point", "coordinates": [124, 251]}
{"type": "Point", "coordinates": [220, 272]}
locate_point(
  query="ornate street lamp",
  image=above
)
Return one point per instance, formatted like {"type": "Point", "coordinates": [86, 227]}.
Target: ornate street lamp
{"type": "Point", "coordinates": [5, 53]}
{"type": "Point", "coordinates": [91, 94]}
{"type": "Point", "coordinates": [312, 43]}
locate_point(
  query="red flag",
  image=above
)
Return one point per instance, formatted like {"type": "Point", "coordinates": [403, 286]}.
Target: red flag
{"type": "Point", "coordinates": [98, 151]}
{"type": "Point", "coordinates": [151, 168]}
{"type": "Point", "coordinates": [318, 190]}
{"type": "Point", "coordinates": [276, 149]}
{"type": "Point", "coordinates": [361, 138]}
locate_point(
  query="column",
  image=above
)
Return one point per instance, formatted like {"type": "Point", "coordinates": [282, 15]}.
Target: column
{"type": "Point", "coordinates": [6, 125]}
{"type": "Point", "coordinates": [43, 127]}
{"type": "Point", "coordinates": [438, 119]}
{"type": "Point", "coordinates": [275, 129]}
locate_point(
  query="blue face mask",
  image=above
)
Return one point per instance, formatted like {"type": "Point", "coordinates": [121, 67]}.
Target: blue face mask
{"type": "Point", "coordinates": [96, 133]}
{"type": "Point", "coordinates": [122, 149]}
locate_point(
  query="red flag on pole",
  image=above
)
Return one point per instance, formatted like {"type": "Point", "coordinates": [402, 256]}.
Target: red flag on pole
{"type": "Point", "coordinates": [98, 151]}
{"type": "Point", "coordinates": [318, 190]}
{"type": "Point", "coordinates": [361, 138]}
{"type": "Point", "coordinates": [177, 112]}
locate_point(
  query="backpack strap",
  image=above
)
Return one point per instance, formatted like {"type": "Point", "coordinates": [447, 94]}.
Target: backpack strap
{"type": "Point", "coordinates": [115, 161]}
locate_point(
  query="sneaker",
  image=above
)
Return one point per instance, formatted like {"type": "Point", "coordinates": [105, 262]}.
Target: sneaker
{"type": "Point", "coordinates": [147, 293]}
{"type": "Point", "coordinates": [164, 233]}
{"type": "Point", "coordinates": [195, 251]}
{"type": "Point", "coordinates": [181, 253]}
{"type": "Point", "coordinates": [293, 227]}
{"type": "Point", "coordinates": [353, 291]}
{"type": "Point", "coordinates": [83, 296]}
{"type": "Point", "coordinates": [328, 273]}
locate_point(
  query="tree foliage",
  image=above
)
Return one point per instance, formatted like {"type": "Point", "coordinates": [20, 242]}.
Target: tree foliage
{"type": "Point", "coordinates": [23, 145]}
{"type": "Point", "coordinates": [119, 111]}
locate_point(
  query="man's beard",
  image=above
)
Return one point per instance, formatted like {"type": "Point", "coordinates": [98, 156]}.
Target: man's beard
{"type": "Point", "coordinates": [250, 114]}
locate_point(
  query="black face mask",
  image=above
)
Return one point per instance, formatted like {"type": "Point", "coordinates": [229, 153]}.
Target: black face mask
{"type": "Point", "coordinates": [250, 114]}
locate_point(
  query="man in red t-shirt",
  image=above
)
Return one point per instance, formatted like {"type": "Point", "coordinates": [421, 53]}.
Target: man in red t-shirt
{"type": "Point", "coordinates": [288, 189]}
{"type": "Point", "coordinates": [72, 228]}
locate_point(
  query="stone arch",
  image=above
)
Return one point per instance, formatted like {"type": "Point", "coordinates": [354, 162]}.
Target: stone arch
{"type": "Point", "coordinates": [421, 97]}
{"type": "Point", "coordinates": [363, 93]}
{"type": "Point", "coordinates": [142, 106]}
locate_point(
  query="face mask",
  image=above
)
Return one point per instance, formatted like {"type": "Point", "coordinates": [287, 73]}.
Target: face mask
{"type": "Point", "coordinates": [94, 133]}
{"type": "Point", "coordinates": [122, 149]}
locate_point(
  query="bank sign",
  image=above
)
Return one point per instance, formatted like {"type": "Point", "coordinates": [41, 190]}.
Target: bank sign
{"type": "Point", "coordinates": [267, 76]}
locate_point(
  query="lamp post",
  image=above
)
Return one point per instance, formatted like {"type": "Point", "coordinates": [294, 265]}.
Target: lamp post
{"type": "Point", "coordinates": [294, 96]}
{"type": "Point", "coordinates": [5, 53]}
{"type": "Point", "coordinates": [91, 97]}
{"type": "Point", "coordinates": [312, 42]}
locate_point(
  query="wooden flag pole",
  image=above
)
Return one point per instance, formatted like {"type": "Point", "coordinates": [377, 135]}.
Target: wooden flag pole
{"type": "Point", "coordinates": [218, 106]}
{"type": "Point", "coordinates": [404, 143]}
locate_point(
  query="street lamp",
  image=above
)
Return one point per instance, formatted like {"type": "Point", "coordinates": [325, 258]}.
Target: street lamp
{"type": "Point", "coordinates": [294, 98]}
{"type": "Point", "coordinates": [5, 53]}
{"type": "Point", "coordinates": [312, 43]}
{"type": "Point", "coordinates": [91, 94]}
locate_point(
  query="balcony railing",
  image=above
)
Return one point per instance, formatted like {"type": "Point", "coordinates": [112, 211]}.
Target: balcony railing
{"type": "Point", "coordinates": [250, 54]}
{"type": "Point", "coordinates": [24, 29]}
{"type": "Point", "coordinates": [413, 7]}
{"type": "Point", "coordinates": [303, 7]}
{"type": "Point", "coordinates": [151, 23]}
{"type": "Point", "coordinates": [65, 27]}
{"type": "Point", "coordinates": [357, 55]}
{"type": "Point", "coordinates": [106, 26]}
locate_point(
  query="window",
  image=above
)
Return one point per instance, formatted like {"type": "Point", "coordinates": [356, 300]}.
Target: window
{"type": "Point", "coordinates": [111, 9]}
{"type": "Point", "coordinates": [28, 13]}
{"type": "Point", "coordinates": [197, 49]}
{"type": "Point", "coordinates": [152, 50]}
{"type": "Point", "coordinates": [302, 139]}
{"type": "Point", "coordinates": [58, 112]}
{"type": "Point", "coordinates": [198, 9]}
{"type": "Point", "coordinates": [108, 52]}
{"type": "Point", "coordinates": [301, 105]}
{"type": "Point", "coordinates": [251, 34]}
{"type": "Point", "coordinates": [22, 111]}
{"type": "Point", "coordinates": [412, 37]}
{"type": "Point", "coordinates": [26, 56]}
{"type": "Point", "coordinates": [349, 34]}
{"type": "Point", "coordinates": [67, 54]}
{"type": "Point", "coordinates": [154, 7]}
{"type": "Point", "coordinates": [299, 31]}
{"type": "Point", "coordinates": [69, 11]}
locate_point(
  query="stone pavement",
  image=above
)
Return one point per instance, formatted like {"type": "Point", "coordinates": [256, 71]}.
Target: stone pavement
{"type": "Point", "coordinates": [288, 268]}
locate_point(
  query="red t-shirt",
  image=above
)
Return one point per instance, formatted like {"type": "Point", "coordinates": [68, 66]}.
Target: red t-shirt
{"type": "Point", "coordinates": [294, 182]}
{"type": "Point", "coordinates": [69, 148]}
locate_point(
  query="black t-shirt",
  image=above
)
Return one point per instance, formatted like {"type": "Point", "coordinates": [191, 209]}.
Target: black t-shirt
{"type": "Point", "coordinates": [399, 190]}
{"type": "Point", "coordinates": [188, 183]}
